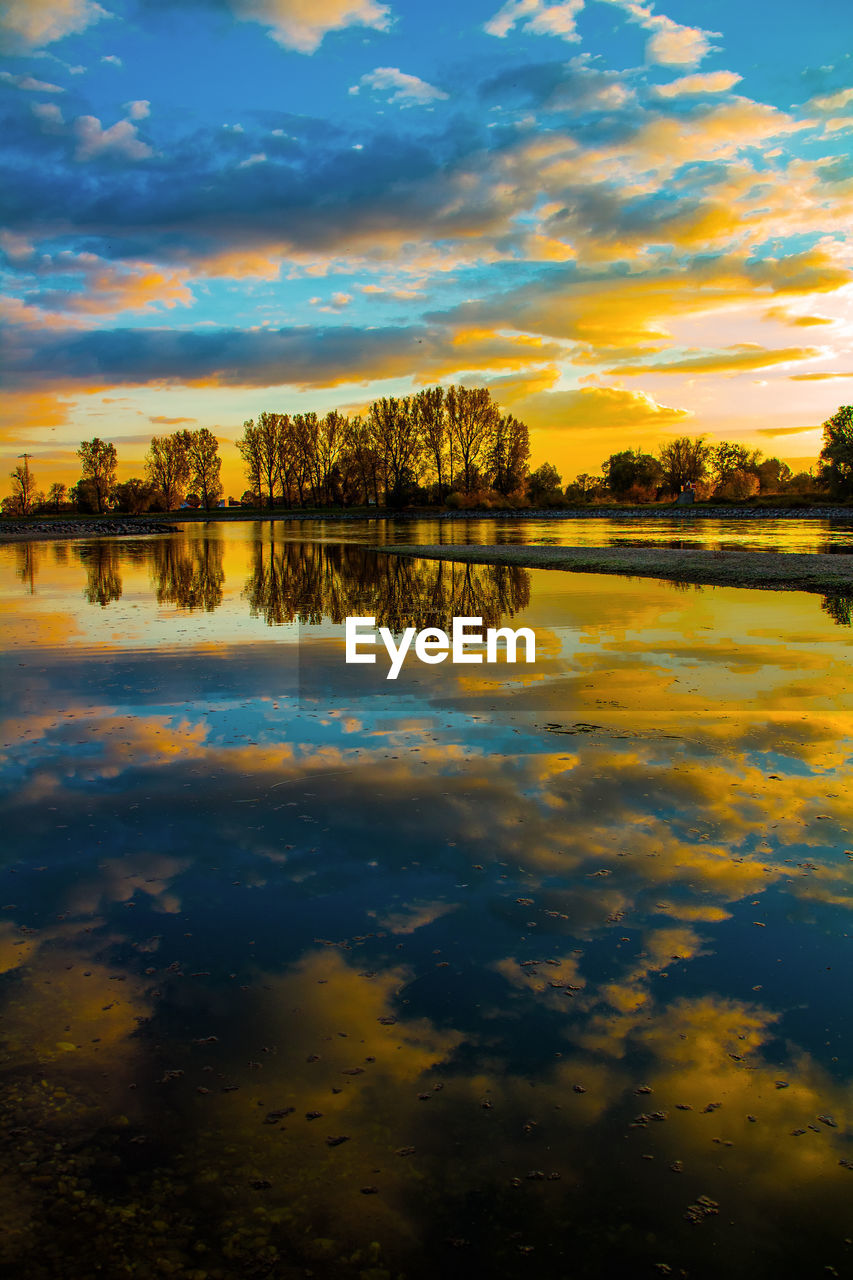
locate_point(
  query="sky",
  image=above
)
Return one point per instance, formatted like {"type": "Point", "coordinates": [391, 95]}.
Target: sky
{"type": "Point", "coordinates": [630, 221]}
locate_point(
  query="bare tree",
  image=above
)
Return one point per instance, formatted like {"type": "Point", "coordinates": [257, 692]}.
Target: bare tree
{"type": "Point", "coordinates": [23, 487]}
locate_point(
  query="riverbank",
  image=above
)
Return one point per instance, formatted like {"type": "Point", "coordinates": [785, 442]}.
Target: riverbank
{"type": "Point", "coordinates": [769, 570]}
{"type": "Point", "coordinates": [92, 527]}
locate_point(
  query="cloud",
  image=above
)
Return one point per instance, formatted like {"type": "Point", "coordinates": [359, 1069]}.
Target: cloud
{"type": "Point", "coordinates": [30, 24]}
{"type": "Point", "coordinates": [704, 82]}
{"type": "Point", "coordinates": [817, 377]}
{"type": "Point", "coordinates": [597, 409]}
{"type": "Point", "coordinates": [302, 24]}
{"type": "Point", "coordinates": [536, 17]}
{"type": "Point", "coordinates": [29, 83]}
{"type": "Point", "coordinates": [120, 139]}
{"type": "Point", "coordinates": [139, 109]}
{"type": "Point", "coordinates": [670, 44]}
{"type": "Point", "coordinates": [299, 357]}
{"type": "Point", "coordinates": [112, 60]}
{"type": "Point", "coordinates": [406, 90]}
{"type": "Point", "coordinates": [832, 101]}
{"type": "Point", "coordinates": [743, 356]}
{"type": "Point", "coordinates": [783, 431]}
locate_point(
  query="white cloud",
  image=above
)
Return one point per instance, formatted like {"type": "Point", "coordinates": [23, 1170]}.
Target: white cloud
{"type": "Point", "coordinates": [405, 90]}
{"type": "Point", "coordinates": [121, 139]}
{"type": "Point", "coordinates": [139, 109]}
{"type": "Point", "coordinates": [28, 82]}
{"type": "Point", "coordinates": [536, 17]}
{"type": "Point", "coordinates": [302, 24]}
{"type": "Point", "coordinates": [49, 114]}
{"type": "Point", "coordinates": [833, 101]}
{"type": "Point", "coordinates": [29, 24]}
{"type": "Point", "coordinates": [704, 82]}
{"type": "Point", "coordinates": [671, 44]}
{"type": "Point", "coordinates": [112, 60]}
{"type": "Point", "coordinates": [258, 158]}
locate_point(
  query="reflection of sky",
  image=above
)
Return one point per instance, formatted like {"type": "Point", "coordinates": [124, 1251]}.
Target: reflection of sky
{"type": "Point", "coordinates": [655, 816]}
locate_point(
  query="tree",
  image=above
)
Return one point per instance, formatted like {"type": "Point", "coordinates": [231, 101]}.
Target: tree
{"type": "Point", "coordinates": [836, 456]}
{"type": "Point", "coordinates": [684, 461]}
{"type": "Point", "coordinates": [168, 466]}
{"type": "Point", "coordinates": [249, 448]}
{"type": "Point", "coordinates": [430, 415]}
{"type": "Point", "coordinates": [204, 464]}
{"type": "Point", "coordinates": [23, 487]}
{"type": "Point", "coordinates": [472, 416]}
{"type": "Point", "coordinates": [56, 496]}
{"type": "Point", "coordinates": [394, 436]}
{"type": "Point", "coordinates": [507, 455]}
{"type": "Point", "coordinates": [727, 457]}
{"type": "Point", "coordinates": [133, 496]}
{"type": "Point", "coordinates": [99, 460]}
{"type": "Point", "coordinates": [544, 486]}
{"type": "Point", "coordinates": [773, 475]}
{"type": "Point", "coordinates": [632, 474]}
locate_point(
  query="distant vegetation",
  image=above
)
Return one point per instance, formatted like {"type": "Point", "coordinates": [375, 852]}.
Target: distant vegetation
{"type": "Point", "coordinates": [442, 447]}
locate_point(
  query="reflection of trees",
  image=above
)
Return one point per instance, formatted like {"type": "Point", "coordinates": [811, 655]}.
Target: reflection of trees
{"type": "Point", "coordinates": [28, 562]}
{"type": "Point", "coordinates": [103, 572]}
{"type": "Point", "coordinates": [307, 582]}
{"type": "Point", "coordinates": [188, 573]}
{"type": "Point", "coordinates": [103, 579]}
{"type": "Point", "coordinates": [839, 608]}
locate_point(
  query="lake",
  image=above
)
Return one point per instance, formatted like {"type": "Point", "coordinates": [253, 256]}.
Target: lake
{"type": "Point", "coordinates": [515, 971]}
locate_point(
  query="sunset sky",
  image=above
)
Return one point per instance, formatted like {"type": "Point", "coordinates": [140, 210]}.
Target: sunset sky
{"type": "Point", "coordinates": [629, 220]}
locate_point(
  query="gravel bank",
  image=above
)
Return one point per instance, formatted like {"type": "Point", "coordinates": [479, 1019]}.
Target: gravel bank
{"type": "Point", "coordinates": [771, 570]}
{"type": "Point", "coordinates": [42, 530]}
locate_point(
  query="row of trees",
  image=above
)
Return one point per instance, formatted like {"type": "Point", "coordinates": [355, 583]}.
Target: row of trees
{"type": "Point", "coordinates": [416, 448]}
{"type": "Point", "coordinates": [450, 447]}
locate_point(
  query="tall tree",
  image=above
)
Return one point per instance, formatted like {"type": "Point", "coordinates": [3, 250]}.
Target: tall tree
{"type": "Point", "coordinates": [632, 473]}
{"type": "Point", "coordinates": [249, 448]}
{"type": "Point", "coordinates": [394, 435]}
{"type": "Point", "coordinates": [836, 456]}
{"type": "Point", "coordinates": [56, 496]}
{"type": "Point", "coordinates": [205, 464]}
{"type": "Point", "coordinates": [472, 416]}
{"type": "Point", "coordinates": [430, 415]}
{"type": "Point", "coordinates": [99, 460]}
{"type": "Point", "coordinates": [23, 487]}
{"type": "Point", "coordinates": [167, 466]}
{"type": "Point", "coordinates": [507, 455]}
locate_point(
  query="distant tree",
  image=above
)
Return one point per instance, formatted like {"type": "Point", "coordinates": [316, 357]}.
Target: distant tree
{"type": "Point", "coordinates": [738, 485]}
{"type": "Point", "coordinates": [544, 486]}
{"type": "Point", "coordinates": [83, 497]}
{"type": "Point", "coordinates": [836, 456]}
{"type": "Point", "coordinates": [56, 496]}
{"type": "Point", "coordinates": [727, 457]}
{"type": "Point", "coordinates": [23, 488]}
{"type": "Point", "coordinates": [168, 467]}
{"type": "Point", "coordinates": [99, 460]}
{"type": "Point", "coordinates": [773, 475]}
{"type": "Point", "coordinates": [632, 474]}
{"type": "Point", "coordinates": [684, 461]}
{"type": "Point", "coordinates": [204, 464]}
{"type": "Point", "coordinates": [134, 496]}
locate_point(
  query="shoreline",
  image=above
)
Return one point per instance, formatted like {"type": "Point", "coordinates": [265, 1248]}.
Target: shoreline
{"type": "Point", "coordinates": [761, 570]}
{"type": "Point", "coordinates": [49, 528]}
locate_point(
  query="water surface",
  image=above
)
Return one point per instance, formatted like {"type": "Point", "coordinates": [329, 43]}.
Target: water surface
{"type": "Point", "coordinates": [514, 971]}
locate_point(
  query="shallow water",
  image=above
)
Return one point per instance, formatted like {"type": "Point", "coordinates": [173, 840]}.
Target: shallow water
{"type": "Point", "coordinates": [514, 971]}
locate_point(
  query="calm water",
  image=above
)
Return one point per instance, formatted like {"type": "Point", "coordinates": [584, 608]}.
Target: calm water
{"type": "Point", "coordinates": [517, 972]}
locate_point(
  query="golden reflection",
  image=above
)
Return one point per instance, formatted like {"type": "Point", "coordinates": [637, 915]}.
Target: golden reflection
{"type": "Point", "coordinates": [188, 572]}
{"type": "Point", "coordinates": [103, 561]}
{"type": "Point", "coordinates": [315, 581]}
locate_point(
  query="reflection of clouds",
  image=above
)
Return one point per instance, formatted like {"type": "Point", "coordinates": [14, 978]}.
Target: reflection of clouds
{"type": "Point", "coordinates": [414, 915]}
{"type": "Point", "coordinates": [121, 879]}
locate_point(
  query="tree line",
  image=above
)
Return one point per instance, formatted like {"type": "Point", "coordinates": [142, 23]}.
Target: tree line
{"type": "Point", "coordinates": [442, 446]}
